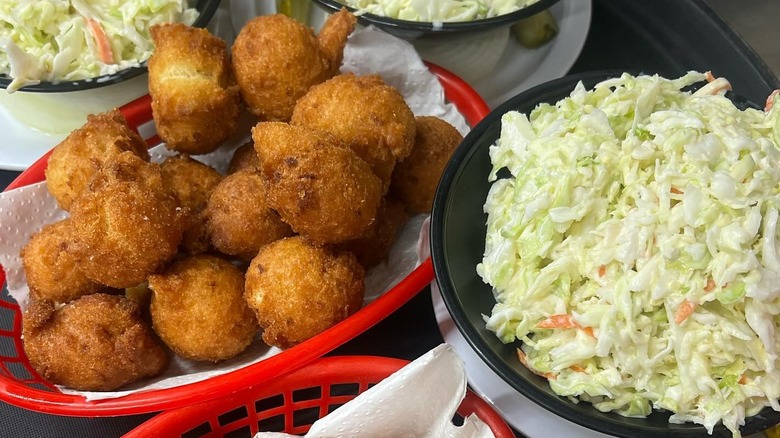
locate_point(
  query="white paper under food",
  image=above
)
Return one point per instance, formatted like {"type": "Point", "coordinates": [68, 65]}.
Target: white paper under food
{"type": "Point", "coordinates": [419, 400]}
{"type": "Point", "coordinates": [26, 210]}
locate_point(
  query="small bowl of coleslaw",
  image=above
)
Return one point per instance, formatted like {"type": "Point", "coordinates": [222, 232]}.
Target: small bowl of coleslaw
{"type": "Point", "coordinates": [410, 19]}
{"type": "Point", "coordinates": [70, 45]}
{"type": "Point", "coordinates": [607, 243]}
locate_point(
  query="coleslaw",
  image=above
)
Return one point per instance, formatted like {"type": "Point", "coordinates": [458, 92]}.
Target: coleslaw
{"type": "Point", "coordinates": [437, 10]}
{"type": "Point", "coordinates": [68, 40]}
{"type": "Point", "coordinates": [634, 248]}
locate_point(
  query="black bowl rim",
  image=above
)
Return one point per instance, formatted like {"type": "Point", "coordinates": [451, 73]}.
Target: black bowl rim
{"type": "Point", "coordinates": [439, 213]}
{"type": "Point", "coordinates": [423, 27]}
{"type": "Point", "coordinates": [209, 7]}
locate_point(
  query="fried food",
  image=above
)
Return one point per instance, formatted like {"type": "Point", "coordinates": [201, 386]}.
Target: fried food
{"type": "Point", "coordinates": [322, 189]}
{"type": "Point", "coordinates": [276, 59]}
{"type": "Point", "coordinates": [416, 177]}
{"type": "Point", "coordinates": [86, 150]}
{"type": "Point", "coordinates": [195, 100]}
{"type": "Point", "coordinates": [244, 158]}
{"type": "Point", "coordinates": [375, 244]}
{"type": "Point", "coordinates": [126, 224]}
{"type": "Point", "coordinates": [193, 182]}
{"type": "Point", "coordinates": [298, 289]}
{"type": "Point", "coordinates": [364, 112]}
{"type": "Point", "coordinates": [239, 219]}
{"type": "Point", "coordinates": [52, 273]}
{"type": "Point", "coordinates": [199, 311]}
{"type": "Point", "coordinates": [98, 342]}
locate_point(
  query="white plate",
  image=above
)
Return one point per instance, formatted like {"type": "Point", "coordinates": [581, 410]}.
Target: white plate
{"type": "Point", "coordinates": [521, 413]}
{"type": "Point", "coordinates": [520, 68]}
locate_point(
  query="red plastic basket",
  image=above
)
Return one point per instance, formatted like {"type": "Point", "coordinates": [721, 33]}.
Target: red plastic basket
{"type": "Point", "coordinates": [20, 385]}
{"type": "Point", "coordinates": [293, 402]}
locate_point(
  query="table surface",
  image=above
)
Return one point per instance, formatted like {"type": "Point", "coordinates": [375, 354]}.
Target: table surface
{"type": "Point", "coordinates": [661, 36]}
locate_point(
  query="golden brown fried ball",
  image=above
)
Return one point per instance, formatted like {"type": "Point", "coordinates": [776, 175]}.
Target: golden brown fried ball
{"type": "Point", "coordinates": [298, 289]}
{"type": "Point", "coordinates": [322, 189]}
{"type": "Point", "coordinates": [239, 219]}
{"type": "Point", "coordinates": [364, 112]}
{"type": "Point", "coordinates": [244, 158]}
{"type": "Point", "coordinates": [276, 59]}
{"type": "Point", "coordinates": [199, 311]}
{"type": "Point", "coordinates": [195, 100]}
{"type": "Point", "coordinates": [416, 177]}
{"type": "Point", "coordinates": [193, 182]}
{"type": "Point", "coordinates": [98, 342]}
{"type": "Point", "coordinates": [86, 150]}
{"type": "Point", "coordinates": [127, 224]}
{"type": "Point", "coordinates": [52, 273]}
{"type": "Point", "coordinates": [374, 245]}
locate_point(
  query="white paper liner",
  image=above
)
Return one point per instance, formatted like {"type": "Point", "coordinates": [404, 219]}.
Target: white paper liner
{"type": "Point", "coordinates": [25, 210]}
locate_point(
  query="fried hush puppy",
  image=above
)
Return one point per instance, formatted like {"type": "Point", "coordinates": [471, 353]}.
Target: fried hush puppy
{"type": "Point", "coordinates": [416, 177]}
{"type": "Point", "coordinates": [239, 219]}
{"type": "Point", "coordinates": [244, 158]}
{"type": "Point", "coordinates": [325, 192]}
{"type": "Point", "coordinates": [195, 101]}
{"type": "Point", "coordinates": [127, 223]}
{"type": "Point", "coordinates": [86, 150]}
{"type": "Point", "coordinates": [298, 289]}
{"type": "Point", "coordinates": [52, 273]}
{"type": "Point", "coordinates": [365, 113]}
{"type": "Point", "coordinates": [193, 182]}
{"type": "Point", "coordinates": [198, 309]}
{"type": "Point", "coordinates": [276, 59]}
{"type": "Point", "coordinates": [96, 343]}
{"type": "Point", "coordinates": [375, 244]}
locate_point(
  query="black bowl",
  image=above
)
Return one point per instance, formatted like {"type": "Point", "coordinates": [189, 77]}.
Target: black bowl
{"type": "Point", "coordinates": [458, 243]}
{"type": "Point", "coordinates": [411, 30]}
{"type": "Point", "coordinates": [207, 8]}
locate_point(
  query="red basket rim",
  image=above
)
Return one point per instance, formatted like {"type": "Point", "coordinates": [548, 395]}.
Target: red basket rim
{"type": "Point", "coordinates": [375, 368]}
{"type": "Point", "coordinates": [471, 106]}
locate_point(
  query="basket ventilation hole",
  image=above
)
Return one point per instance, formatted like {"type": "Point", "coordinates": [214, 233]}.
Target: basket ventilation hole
{"type": "Point", "coordinates": [197, 432]}
{"type": "Point", "coordinates": [313, 393]}
{"type": "Point", "coordinates": [269, 403]}
{"type": "Point", "coordinates": [237, 414]}
{"type": "Point", "coordinates": [272, 424]}
{"type": "Point", "coordinates": [244, 432]}
{"type": "Point", "coordinates": [344, 389]}
{"type": "Point", "coordinates": [305, 417]}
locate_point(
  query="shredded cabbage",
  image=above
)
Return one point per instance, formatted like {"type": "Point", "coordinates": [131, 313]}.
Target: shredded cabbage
{"type": "Point", "coordinates": [438, 10]}
{"type": "Point", "coordinates": [65, 40]}
{"type": "Point", "coordinates": [634, 248]}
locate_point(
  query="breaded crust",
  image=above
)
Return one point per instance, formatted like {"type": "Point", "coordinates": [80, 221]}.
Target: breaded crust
{"type": "Point", "coordinates": [86, 150]}
{"type": "Point", "coordinates": [195, 101]}
{"type": "Point", "coordinates": [199, 311]}
{"type": "Point", "coordinates": [375, 244]}
{"type": "Point", "coordinates": [298, 289]}
{"type": "Point", "coordinates": [52, 273]}
{"type": "Point", "coordinates": [244, 158]}
{"type": "Point", "coordinates": [318, 186]}
{"type": "Point", "coordinates": [365, 113]}
{"type": "Point", "coordinates": [239, 218]}
{"type": "Point", "coordinates": [127, 224]}
{"type": "Point", "coordinates": [276, 59]}
{"type": "Point", "coordinates": [98, 342]}
{"type": "Point", "coordinates": [416, 177]}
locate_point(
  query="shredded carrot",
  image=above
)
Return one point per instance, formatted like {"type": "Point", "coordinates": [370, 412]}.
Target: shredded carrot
{"type": "Point", "coordinates": [742, 379]}
{"type": "Point", "coordinates": [684, 311]}
{"type": "Point", "coordinates": [101, 40]}
{"type": "Point", "coordinates": [602, 270]}
{"type": "Point", "coordinates": [709, 76]}
{"type": "Point", "coordinates": [524, 360]}
{"type": "Point", "coordinates": [710, 285]}
{"type": "Point", "coordinates": [770, 100]}
{"type": "Point", "coordinates": [577, 368]}
{"type": "Point", "coordinates": [676, 191]}
{"type": "Point", "coordinates": [564, 321]}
